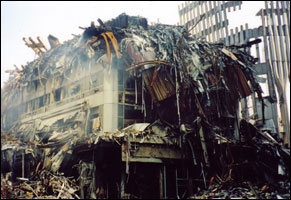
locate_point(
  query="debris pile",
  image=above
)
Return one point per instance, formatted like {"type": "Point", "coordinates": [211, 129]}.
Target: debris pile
{"type": "Point", "coordinates": [259, 169]}
{"type": "Point", "coordinates": [187, 91]}
{"type": "Point", "coordinates": [43, 185]}
{"type": "Point", "coordinates": [245, 190]}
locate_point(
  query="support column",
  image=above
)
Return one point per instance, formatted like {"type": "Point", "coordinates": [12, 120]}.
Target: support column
{"type": "Point", "coordinates": [110, 110]}
{"type": "Point", "coordinates": [163, 182]}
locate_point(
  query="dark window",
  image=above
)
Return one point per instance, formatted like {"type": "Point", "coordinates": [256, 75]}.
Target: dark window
{"type": "Point", "coordinates": [75, 89]}
{"type": "Point", "coordinates": [130, 83]}
{"type": "Point", "coordinates": [131, 113]}
{"type": "Point", "coordinates": [35, 71]}
{"type": "Point", "coordinates": [41, 101]}
{"type": "Point", "coordinates": [35, 83]}
{"type": "Point", "coordinates": [58, 94]}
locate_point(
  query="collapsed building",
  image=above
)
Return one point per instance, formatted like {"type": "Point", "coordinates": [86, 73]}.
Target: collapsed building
{"type": "Point", "coordinates": [131, 110]}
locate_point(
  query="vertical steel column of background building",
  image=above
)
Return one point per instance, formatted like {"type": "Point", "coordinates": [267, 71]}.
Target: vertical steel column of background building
{"type": "Point", "coordinates": [279, 62]}
{"type": "Point", "coordinates": [267, 67]}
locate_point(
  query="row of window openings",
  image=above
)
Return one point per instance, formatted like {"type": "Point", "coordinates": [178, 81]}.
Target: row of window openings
{"type": "Point", "coordinates": [96, 79]}
{"type": "Point", "coordinates": [58, 94]}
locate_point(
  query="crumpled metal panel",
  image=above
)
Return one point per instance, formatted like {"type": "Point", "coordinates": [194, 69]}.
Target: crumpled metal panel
{"type": "Point", "coordinates": [137, 127]}
{"type": "Point", "coordinates": [161, 88]}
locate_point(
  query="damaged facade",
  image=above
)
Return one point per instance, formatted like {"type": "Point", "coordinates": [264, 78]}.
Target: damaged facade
{"type": "Point", "coordinates": [129, 110]}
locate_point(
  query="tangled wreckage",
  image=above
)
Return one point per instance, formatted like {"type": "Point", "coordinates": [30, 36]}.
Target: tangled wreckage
{"type": "Point", "coordinates": [128, 110]}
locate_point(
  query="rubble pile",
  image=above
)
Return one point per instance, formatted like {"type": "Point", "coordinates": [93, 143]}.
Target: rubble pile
{"type": "Point", "coordinates": [245, 190]}
{"type": "Point", "coordinates": [43, 185]}
{"type": "Point", "coordinates": [252, 176]}
{"type": "Point", "coordinates": [188, 91]}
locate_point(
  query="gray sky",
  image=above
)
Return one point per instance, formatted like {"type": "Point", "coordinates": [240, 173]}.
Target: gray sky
{"type": "Point", "coordinates": [61, 19]}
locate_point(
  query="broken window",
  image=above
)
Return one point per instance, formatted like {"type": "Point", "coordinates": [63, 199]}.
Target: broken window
{"type": "Point", "coordinates": [94, 119]}
{"type": "Point", "coordinates": [132, 115]}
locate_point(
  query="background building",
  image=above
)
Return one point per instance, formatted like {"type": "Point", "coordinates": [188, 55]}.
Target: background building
{"type": "Point", "coordinates": [218, 21]}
